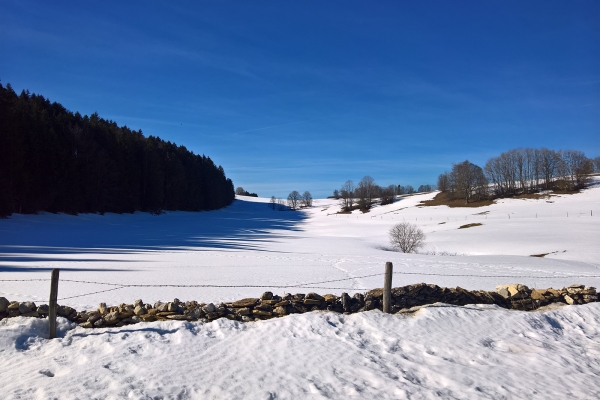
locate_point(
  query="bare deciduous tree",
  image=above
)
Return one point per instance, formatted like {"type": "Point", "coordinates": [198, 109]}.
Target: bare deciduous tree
{"type": "Point", "coordinates": [293, 199]}
{"type": "Point", "coordinates": [347, 195]}
{"type": "Point", "coordinates": [444, 182]}
{"type": "Point", "coordinates": [388, 194]}
{"type": "Point", "coordinates": [307, 199]}
{"type": "Point", "coordinates": [273, 202]}
{"type": "Point", "coordinates": [596, 162]}
{"type": "Point", "coordinates": [407, 237]}
{"type": "Point", "coordinates": [240, 191]}
{"type": "Point", "coordinates": [468, 181]}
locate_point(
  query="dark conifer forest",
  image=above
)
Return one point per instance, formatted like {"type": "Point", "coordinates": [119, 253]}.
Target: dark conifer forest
{"type": "Point", "coordinates": [57, 161]}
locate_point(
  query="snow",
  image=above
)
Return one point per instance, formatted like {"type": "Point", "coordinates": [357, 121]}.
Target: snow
{"type": "Point", "coordinates": [437, 351]}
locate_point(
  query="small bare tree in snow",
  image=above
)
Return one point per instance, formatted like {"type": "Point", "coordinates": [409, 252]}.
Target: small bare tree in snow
{"type": "Point", "coordinates": [294, 199]}
{"type": "Point", "coordinates": [407, 237]}
{"type": "Point", "coordinates": [307, 199]}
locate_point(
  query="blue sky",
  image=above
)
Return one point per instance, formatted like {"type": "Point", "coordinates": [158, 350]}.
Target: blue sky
{"type": "Point", "coordinates": [303, 95]}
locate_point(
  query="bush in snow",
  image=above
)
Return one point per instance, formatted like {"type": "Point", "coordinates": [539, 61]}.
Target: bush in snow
{"type": "Point", "coordinates": [407, 237]}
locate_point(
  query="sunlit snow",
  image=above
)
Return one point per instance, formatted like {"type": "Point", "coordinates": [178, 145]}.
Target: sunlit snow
{"type": "Point", "coordinates": [436, 352]}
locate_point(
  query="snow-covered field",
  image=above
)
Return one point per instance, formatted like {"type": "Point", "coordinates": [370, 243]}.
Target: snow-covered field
{"type": "Point", "coordinates": [438, 351]}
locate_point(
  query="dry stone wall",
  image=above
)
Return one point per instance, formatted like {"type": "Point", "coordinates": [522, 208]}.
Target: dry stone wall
{"type": "Point", "coordinates": [515, 296]}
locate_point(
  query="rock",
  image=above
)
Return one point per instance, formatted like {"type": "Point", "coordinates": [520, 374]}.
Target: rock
{"type": "Point", "coordinates": [111, 318]}
{"type": "Point", "coordinates": [245, 318]}
{"type": "Point", "coordinates": [569, 300]}
{"type": "Point", "coordinates": [140, 310]}
{"type": "Point", "coordinates": [126, 314]}
{"type": "Point", "coordinates": [588, 290]}
{"type": "Point", "coordinates": [93, 316]}
{"type": "Point", "coordinates": [243, 311]}
{"type": "Point", "coordinates": [538, 294]}
{"type": "Point", "coordinates": [314, 296]}
{"type": "Point", "coordinates": [249, 302]}
{"type": "Point", "coordinates": [194, 313]}
{"type": "Point", "coordinates": [179, 317]}
{"type": "Point", "coordinates": [172, 307]}
{"type": "Point", "coordinates": [13, 305]}
{"type": "Point", "coordinates": [575, 290]}
{"type": "Point", "coordinates": [359, 298]}
{"type": "Point", "coordinates": [376, 293]}
{"type": "Point", "coordinates": [176, 301]}
{"type": "Point", "coordinates": [589, 298]}
{"type": "Point", "coordinates": [212, 316]}
{"type": "Point", "coordinates": [287, 296]}
{"type": "Point", "coordinates": [503, 292]}
{"type": "Point", "coordinates": [4, 304]}
{"type": "Point", "coordinates": [161, 307]}
{"type": "Point", "coordinates": [152, 311]}
{"type": "Point", "coordinates": [26, 307]}
{"type": "Point", "coordinates": [298, 297]}
{"type": "Point", "coordinates": [13, 312]}
{"type": "Point", "coordinates": [270, 302]}
{"type": "Point", "coordinates": [311, 302]}
{"type": "Point", "coordinates": [102, 309]}
{"type": "Point", "coordinates": [369, 305]}
{"type": "Point", "coordinates": [86, 324]}
{"type": "Point", "coordinates": [148, 317]}
{"type": "Point", "coordinates": [264, 307]}
{"type": "Point", "coordinates": [138, 302]}
{"type": "Point", "coordinates": [43, 309]}
{"type": "Point", "coordinates": [283, 303]}
{"type": "Point", "coordinates": [280, 310]}
{"type": "Point", "coordinates": [165, 314]}
{"type": "Point", "coordinates": [330, 298]}
{"type": "Point", "coordinates": [261, 313]}
{"type": "Point", "coordinates": [576, 287]}
{"type": "Point", "coordinates": [99, 323]}
{"type": "Point", "coordinates": [30, 314]}
{"type": "Point", "coordinates": [346, 302]}
{"type": "Point", "coordinates": [209, 308]}
{"type": "Point", "coordinates": [517, 288]}
{"type": "Point", "coordinates": [65, 311]}
{"type": "Point", "coordinates": [267, 296]}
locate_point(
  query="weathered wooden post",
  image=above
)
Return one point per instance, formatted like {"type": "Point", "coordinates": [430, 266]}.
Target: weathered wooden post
{"type": "Point", "coordinates": [387, 288]}
{"type": "Point", "coordinates": [53, 306]}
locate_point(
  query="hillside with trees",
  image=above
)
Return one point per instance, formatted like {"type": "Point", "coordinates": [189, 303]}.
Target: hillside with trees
{"type": "Point", "coordinates": [54, 160]}
{"type": "Point", "coordinates": [517, 172]}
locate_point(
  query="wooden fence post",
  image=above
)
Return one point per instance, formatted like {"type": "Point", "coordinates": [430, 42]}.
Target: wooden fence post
{"type": "Point", "coordinates": [387, 288]}
{"type": "Point", "coordinates": [53, 306]}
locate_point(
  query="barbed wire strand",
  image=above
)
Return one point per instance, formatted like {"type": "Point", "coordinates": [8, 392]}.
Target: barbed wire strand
{"type": "Point", "coordinates": [299, 285]}
{"type": "Point", "coordinates": [88, 294]}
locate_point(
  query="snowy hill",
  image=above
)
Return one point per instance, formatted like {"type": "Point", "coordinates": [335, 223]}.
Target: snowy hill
{"type": "Point", "coordinates": [441, 351]}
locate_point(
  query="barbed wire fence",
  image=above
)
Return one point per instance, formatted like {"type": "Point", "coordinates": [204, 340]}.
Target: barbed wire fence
{"type": "Point", "coordinates": [306, 285]}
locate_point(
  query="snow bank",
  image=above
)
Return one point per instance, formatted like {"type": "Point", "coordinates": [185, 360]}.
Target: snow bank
{"type": "Point", "coordinates": [439, 351]}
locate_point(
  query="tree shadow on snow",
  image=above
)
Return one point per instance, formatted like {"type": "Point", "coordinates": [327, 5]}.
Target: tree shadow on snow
{"type": "Point", "coordinates": [241, 226]}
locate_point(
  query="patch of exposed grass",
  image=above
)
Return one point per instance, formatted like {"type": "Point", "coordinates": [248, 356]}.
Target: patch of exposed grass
{"type": "Point", "coordinates": [470, 225]}
{"type": "Point", "coordinates": [442, 223]}
{"type": "Point", "coordinates": [539, 255]}
{"type": "Point", "coordinates": [442, 199]}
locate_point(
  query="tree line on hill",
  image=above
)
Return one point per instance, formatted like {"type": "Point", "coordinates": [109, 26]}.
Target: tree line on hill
{"type": "Point", "coordinates": [364, 194]}
{"type": "Point", "coordinates": [518, 171]}
{"type": "Point", "coordinates": [239, 191]}
{"type": "Point", "coordinates": [54, 160]}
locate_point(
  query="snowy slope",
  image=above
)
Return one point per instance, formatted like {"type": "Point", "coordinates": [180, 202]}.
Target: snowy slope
{"type": "Point", "coordinates": [248, 243]}
{"type": "Point", "coordinates": [440, 351]}
{"type": "Point", "coordinates": [473, 352]}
